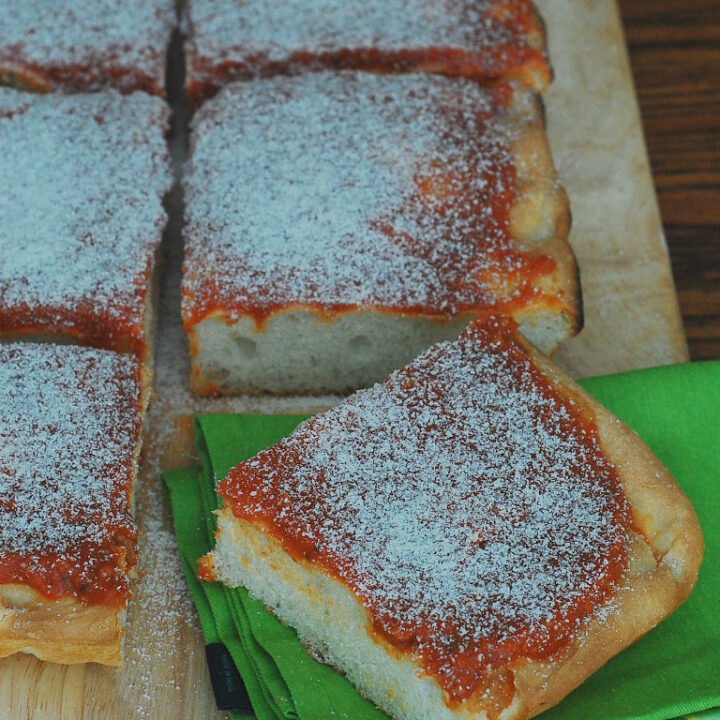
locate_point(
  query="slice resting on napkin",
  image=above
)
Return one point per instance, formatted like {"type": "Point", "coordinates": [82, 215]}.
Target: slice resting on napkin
{"type": "Point", "coordinates": [471, 538]}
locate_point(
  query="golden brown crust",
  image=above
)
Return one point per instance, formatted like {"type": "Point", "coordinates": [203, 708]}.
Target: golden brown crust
{"type": "Point", "coordinates": [21, 77]}
{"type": "Point", "coordinates": [63, 632]}
{"type": "Point", "coordinates": [537, 75]}
{"type": "Point", "coordinates": [540, 217]}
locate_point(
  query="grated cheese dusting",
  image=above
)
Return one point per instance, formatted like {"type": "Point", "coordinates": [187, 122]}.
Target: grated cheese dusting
{"type": "Point", "coordinates": [69, 430]}
{"type": "Point", "coordinates": [460, 499]}
{"type": "Point", "coordinates": [81, 216]}
{"type": "Point", "coordinates": [89, 44]}
{"type": "Point", "coordinates": [351, 189]}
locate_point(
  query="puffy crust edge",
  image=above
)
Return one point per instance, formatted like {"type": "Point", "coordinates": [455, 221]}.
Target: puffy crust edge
{"type": "Point", "coordinates": [540, 217]}
{"type": "Point", "coordinates": [666, 550]}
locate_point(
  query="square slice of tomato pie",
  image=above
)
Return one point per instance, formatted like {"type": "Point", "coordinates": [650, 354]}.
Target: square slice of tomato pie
{"type": "Point", "coordinates": [469, 539]}
{"type": "Point", "coordinates": [70, 424]}
{"type": "Point", "coordinates": [82, 180]}
{"type": "Point", "coordinates": [82, 46]}
{"type": "Point", "coordinates": [481, 39]}
{"type": "Point", "coordinates": [339, 223]}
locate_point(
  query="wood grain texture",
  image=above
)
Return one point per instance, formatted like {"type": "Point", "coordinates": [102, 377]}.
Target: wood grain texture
{"type": "Point", "coordinates": [632, 320]}
{"type": "Point", "coordinates": [675, 52]}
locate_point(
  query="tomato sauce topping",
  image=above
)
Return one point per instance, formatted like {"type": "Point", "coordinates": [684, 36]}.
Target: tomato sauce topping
{"type": "Point", "coordinates": [69, 431]}
{"type": "Point", "coordinates": [345, 190]}
{"type": "Point", "coordinates": [465, 501]}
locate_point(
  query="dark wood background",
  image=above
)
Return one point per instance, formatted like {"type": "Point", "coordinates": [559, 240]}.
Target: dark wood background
{"type": "Point", "coordinates": [675, 54]}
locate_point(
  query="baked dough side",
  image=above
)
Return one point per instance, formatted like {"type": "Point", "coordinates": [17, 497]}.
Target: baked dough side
{"type": "Point", "coordinates": [303, 349]}
{"type": "Point", "coordinates": [540, 223]}
{"type": "Point", "coordinates": [63, 632]}
{"type": "Point", "coordinates": [665, 550]}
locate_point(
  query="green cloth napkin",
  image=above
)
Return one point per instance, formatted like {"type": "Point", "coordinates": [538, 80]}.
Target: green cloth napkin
{"type": "Point", "coordinates": [282, 680]}
{"type": "Point", "coordinates": [673, 670]}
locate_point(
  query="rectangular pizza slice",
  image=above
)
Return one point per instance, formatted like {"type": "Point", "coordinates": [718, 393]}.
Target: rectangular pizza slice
{"type": "Point", "coordinates": [82, 181]}
{"type": "Point", "coordinates": [339, 223]}
{"type": "Point", "coordinates": [83, 46]}
{"type": "Point", "coordinates": [469, 539]}
{"type": "Point", "coordinates": [70, 436]}
{"type": "Point", "coordinates": [481, 39]}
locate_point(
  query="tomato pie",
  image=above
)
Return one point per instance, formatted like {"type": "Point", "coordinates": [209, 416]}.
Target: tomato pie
{"type": "Point", "coordinates": [339, 223]}
{"type": "Point", "coordinates": [70, 425]}
{"type": "Point", "coordinates": [81, 216]}
{"type": "Point", "coordinates": [81, 46]}
{"type": "Point", "coordinates": [469, 539]}
{"type": "Point", "coordinates": [481, 39]}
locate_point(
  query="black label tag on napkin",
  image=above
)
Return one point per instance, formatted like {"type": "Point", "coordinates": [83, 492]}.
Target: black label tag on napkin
{"type": "Point", "coordinates": [228, 687]}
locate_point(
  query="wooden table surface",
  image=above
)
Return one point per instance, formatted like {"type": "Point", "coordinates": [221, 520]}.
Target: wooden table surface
{"type": "Point", "coordinates": [675, 55]}
{"type": "Point", "coordinates": [631, 312]}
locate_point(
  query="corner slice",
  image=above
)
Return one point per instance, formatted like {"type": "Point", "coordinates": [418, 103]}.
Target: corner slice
{"type": "Point", "coordinates": [81, 217]}
{"type": "Point", "coordinates": [471, 538]}
{"type": "Point", "coordinates": [364, 217]}
{"type": "Point", "coordinates": [70, 437]}
{"type": "Point", "coordinates": [85, 46]}
{"type": "Point", "coordinates": [481, 39]}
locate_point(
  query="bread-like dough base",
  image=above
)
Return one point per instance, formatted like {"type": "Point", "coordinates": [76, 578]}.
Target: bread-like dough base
{"type": "Point", "coordinates": [300, 351]}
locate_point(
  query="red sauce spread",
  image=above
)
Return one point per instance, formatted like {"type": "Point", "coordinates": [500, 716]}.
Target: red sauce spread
{"type": "Point", "coordinates": [95, 574]}
{"type": "Point", "coordinates": [355, 190]}
{"type": "Point", "coordinates": [480, 39]}
{"type": "Point", "coordinates": [466, 502]}
{"type": "Point", "coordinates": [70, 422]}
